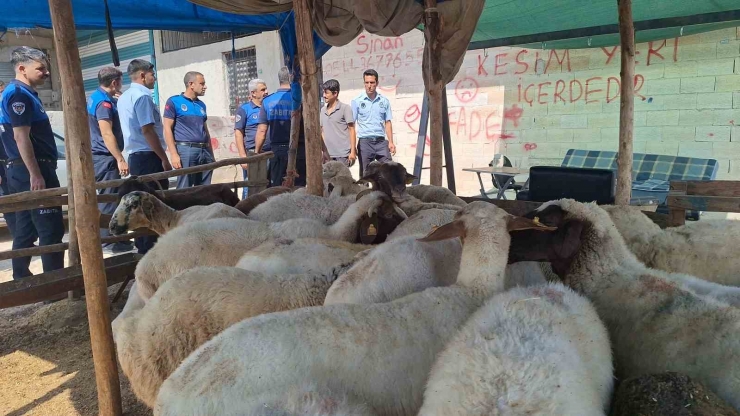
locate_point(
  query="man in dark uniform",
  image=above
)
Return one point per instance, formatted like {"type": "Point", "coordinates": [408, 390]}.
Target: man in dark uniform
{"type": "Point", "coordinates": [6, 129]}
{"type": "Point", "coordinates": [273, 133]}
{"type": "Point", "coordinates": [186, 132]}
{"type": "Point", "coordinates": [32, 158]}
{"type": "Point", "coordinates": [107, 142]}
{"type": "Point", "coordinates": [246, 122]}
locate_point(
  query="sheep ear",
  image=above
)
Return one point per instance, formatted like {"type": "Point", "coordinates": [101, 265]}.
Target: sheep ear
{"type": "Point", "coordinates": [450, 230]}
{"type": "Point", "coordinates": [410, 178]}
{"type": "Point", "coordinates": [519, 223]}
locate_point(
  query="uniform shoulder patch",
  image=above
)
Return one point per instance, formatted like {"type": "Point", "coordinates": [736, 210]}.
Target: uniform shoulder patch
{"type": "Point", "coordinates": [108, 105]}
{"type": "Point", "coordinates": [18, 107]}
{"type": "Point", "coordinates": [238, 118]}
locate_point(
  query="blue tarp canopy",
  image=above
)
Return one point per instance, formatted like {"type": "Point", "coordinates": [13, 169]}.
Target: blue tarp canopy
{"type": "Point", "coordinates": [177, 15]}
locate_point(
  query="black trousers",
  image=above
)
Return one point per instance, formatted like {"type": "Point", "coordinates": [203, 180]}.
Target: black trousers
{"type": "Point", "coordinates": [45, 223]}
{"type": "Point", "coordinates": [106, 169]}
{"type": "Point", "coordinates": [369, 150]}
{"type": "Point", "coordinates": [277, 167]}
{"type": "Point", "coordinates": [144, 163]}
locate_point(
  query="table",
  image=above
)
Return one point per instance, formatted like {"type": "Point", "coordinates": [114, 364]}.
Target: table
{"type": "Point", "coordinates": [498, 174]}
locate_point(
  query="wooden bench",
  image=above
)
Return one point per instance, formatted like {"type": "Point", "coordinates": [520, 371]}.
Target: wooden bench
{"type": "Point", "coordinates": [46, 285]}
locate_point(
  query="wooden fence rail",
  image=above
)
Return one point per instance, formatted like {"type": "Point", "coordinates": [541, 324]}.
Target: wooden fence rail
{"type": "Point", "coordinates": [54, 197]}
{"type": "Point", "coordinates": [52, 192]}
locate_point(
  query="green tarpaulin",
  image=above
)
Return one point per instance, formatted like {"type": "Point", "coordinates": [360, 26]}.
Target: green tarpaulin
{"type": "Point", "coordinates": [583, 24]}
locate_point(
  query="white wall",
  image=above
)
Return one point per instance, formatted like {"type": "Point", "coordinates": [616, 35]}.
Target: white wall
{"type": "Point", "coordinates": [209, 60]}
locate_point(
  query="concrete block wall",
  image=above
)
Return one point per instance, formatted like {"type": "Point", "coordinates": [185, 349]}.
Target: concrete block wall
{"type": "Point", "coordinates": [533, 105]}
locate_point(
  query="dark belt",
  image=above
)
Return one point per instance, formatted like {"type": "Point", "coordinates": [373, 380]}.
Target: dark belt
{"type": "Point", "coordinates": [372, 138]}
{"type": "Point", "coordinates": [201, 145]}
{"type": "Point", "coordinates": [12, 162]}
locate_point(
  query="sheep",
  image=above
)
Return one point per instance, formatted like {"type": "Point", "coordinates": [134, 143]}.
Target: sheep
{"type": "Point", "coordinates": [392, 178]}
{"type": "Point", "coordinates": [311, 400]}
{"type": "Point", "coordinates": [251, 202]}
{"type": "Point", "coordinates": [223, 241]}
{"type": "Point", "coordinates": [396, 269]}
{"type": "Point", "coordinates": [532, 351]}
{"type": "Point", "coordinates": [295, 205]}
{"type": "Point", "coordinates": [379, 353]}
{"type": "Point", "coordinates": [333, 169]}
{"type": "Point", "coordinates": [133, 304]}
{"type": "Point", "coordinates": [656, 324]}
{"type": "Point", "coordinates": [301, 255]}
{"type": "Point", "coordinates": [143, 210]}
{"type": "Point", "coordinates": [342, 186]}
{"type": "Point", "coordinates": [197, 305]}
{"type": "Point", "coordinates": [438, 194]}
{"type": "Point", "coordinates": [422, 222]}
{"type": "Point", "coordinates": [703, 249]}
{"type": "Point", "coordinates": [185, 198]}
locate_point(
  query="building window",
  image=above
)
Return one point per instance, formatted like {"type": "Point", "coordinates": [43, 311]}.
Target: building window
{"type": "Point", "coordinates": [173, 41]}
{"type": "Point", "coordinates": [241, 68]}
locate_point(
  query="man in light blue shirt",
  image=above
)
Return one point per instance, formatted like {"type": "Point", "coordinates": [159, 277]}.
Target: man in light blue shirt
{"type": "Point", "coordinates": [372, 114]}
{"type": "Point", "coordinates": [143, 135]}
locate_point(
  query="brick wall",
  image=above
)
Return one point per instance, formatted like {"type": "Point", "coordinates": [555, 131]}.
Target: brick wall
{"type": "Point", "coordinates": [533, 105]}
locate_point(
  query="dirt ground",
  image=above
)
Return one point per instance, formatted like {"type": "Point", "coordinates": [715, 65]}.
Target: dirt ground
{"type": "Point", "coordinates": [46, 363]}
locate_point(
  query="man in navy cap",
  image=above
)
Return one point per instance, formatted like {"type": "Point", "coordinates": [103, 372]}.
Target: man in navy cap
{"type": "Point", "coordinates": [106, 139]}
{"type": "Point", "coordinates": [32, 158]}
{"type": "Point", "coordinates": [186, 133]}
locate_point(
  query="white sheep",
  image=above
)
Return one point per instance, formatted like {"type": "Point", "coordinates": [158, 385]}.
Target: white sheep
{"type": "Point", "coordinates": [438, 194]}
{"type": "Point", "coordinates": [300, 255]}
{"type": "Point", "coordinates": [222, 242]}
{"type": "Point", "coordinates": [398, 268]}
{"type": "Point", "coordinates": [423, 222]}
{"type": "Point", "coordinates": [704, 249]}
{"type": "Point", "coordinates": [301, 205]}
{"type": "Point", "coordinates": [342, 186]}
{"type": "Point", "coordinates": [538, 351]}
{"type": "Point", "coordinates": [656, 324]}
{"type": "Point", "coordinates": [144, 210]}
{"type": "Point", "coordinates": [197, 305]}
{"type": "Point", "coordinates": [333, 169]}
{"type": "Point", "coordinates": [134, 303]}
{"type": "Point", "coordinates": [311, 400]}
{"type": "Point", "coordinates": [379, 353]}
{"type": "Point", "coordinates": [395, 269]}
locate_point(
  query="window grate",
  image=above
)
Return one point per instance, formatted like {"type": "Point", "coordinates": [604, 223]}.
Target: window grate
{"type": "Point", "coordinates": [173, 41]}
{"type": "Point", "coordinates": [241, 68]}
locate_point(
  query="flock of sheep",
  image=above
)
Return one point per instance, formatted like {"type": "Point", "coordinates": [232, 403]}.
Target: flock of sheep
{"type": "Point", "coordinates": [271, 306]}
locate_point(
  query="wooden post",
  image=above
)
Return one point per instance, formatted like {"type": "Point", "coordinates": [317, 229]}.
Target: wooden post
{"type": "Point", "coordinates": [73, 253]}
{"type": "Point", "coordinates": [310, 96]}
{"type": "Point", "coordinates": [295, 132]}
{"type": "Point", "coordinates": [626, 103]}
{"type": "Point", "coordinates": [434, 89]}
{"type": "Point", "coordinates": [86, 212]}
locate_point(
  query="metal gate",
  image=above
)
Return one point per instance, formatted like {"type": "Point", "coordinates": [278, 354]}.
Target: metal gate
{"type": "Point", "coordinates": [242, 68]}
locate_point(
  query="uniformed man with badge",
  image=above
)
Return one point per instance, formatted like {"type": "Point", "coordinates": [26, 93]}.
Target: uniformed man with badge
{"type": "Point", "coordinates": [372, 114]}
{"type": "Point", "coordinates": [273, 132]}
{"type": "Point", "coordinates": [106, 140]}
{"type": "Point", "coordinates": [246, 122]}
{"type": "Point", "coordinates": [32, 158]}
{"type": "Point", "coordinates": [186, 132]}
